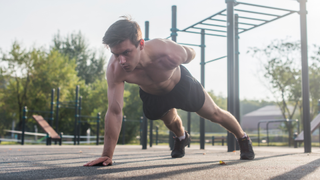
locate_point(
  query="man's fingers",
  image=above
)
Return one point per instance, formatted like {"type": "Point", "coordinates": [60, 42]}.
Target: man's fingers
{"type": "Point", "coordinates": [87, 163]}
{"type": "Point", "coordinates": [102, 161]}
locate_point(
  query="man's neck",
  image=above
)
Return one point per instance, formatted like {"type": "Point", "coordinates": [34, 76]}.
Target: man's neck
{"type": "Point", "coordinates": [144, 61]}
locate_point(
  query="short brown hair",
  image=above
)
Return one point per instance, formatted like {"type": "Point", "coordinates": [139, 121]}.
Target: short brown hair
{"type": "Point", "coordinates": [122, 30]}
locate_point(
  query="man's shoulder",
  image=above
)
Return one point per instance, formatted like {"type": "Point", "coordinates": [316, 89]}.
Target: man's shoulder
{"type": "Point", "coordinates": [114, 71]}
{"type": "Point", "coordinates": [158, 41]}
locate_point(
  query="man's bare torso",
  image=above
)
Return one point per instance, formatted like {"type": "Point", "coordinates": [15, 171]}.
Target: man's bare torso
{"type": "Point", "coordinates": [158, 76]}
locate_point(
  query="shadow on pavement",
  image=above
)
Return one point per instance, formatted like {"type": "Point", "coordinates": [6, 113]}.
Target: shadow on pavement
{"type": "Point", "coordinates": [90, 172]}
{"type": "Point", "coordinates": [300, 172]}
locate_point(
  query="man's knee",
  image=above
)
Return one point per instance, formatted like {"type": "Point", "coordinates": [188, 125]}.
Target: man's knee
{"type": "Point", "coordinates": [170, 117]}
{"type": "Point", "coordinates": [217, 115]}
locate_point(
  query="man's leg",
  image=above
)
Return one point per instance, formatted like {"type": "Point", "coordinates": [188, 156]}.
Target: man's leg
{"type": "Point", "coordinates": [213, 113]}
{"type": "Point", "coordinates": [173, 122]}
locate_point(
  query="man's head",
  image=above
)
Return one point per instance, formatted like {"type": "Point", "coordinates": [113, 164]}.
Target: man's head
{"type": "Point", "coordinates": [122, 30]}
{"type": "Point", "coordinates": [124, 38]}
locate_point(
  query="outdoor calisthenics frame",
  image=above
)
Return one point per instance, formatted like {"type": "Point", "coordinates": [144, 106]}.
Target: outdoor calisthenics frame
{"type": "Point", "coordinates": [274, 121]}
{"type": "Point", "coordinates": [233, 28]}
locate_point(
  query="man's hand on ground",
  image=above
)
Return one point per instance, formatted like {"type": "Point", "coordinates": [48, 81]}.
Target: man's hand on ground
{"type": "Point", "coordinates": [104, 161]}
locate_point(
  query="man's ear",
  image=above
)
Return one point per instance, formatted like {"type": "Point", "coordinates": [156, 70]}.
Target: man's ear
{"type": "Point", "coordinates": [141, 44]}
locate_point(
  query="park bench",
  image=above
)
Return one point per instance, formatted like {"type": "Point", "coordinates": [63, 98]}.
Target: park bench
{"type": "Point", "coordinates": [51, 133]}
{"type": "Point", "coordinates": [315, 123]}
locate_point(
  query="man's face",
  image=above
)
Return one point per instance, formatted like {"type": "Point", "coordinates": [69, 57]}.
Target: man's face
{"type": "Point", "coordinates": [127, 54]}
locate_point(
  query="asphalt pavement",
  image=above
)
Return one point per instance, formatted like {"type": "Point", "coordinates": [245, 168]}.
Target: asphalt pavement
{"type": "Point", "coordinates": [131, 162]}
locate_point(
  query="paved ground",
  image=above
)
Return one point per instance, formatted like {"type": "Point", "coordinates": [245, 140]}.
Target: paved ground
{"type": "Point", "coordinates": [131, 162]}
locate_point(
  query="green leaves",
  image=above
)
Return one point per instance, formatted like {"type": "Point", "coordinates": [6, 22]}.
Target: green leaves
{"type": "Point", "coordinates": [281, 62]}
{"type": "Point", "coordinates": [89, 63]}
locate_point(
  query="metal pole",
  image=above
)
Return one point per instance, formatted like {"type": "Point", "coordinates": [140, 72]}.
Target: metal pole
{"type": "Point", "coordinates": [157, 135]}
{"type": "Point", "coordinates": [146, 37]}
{"type": "Point", "coordinates": [173, 38]}
{"type": "Point", "coordinates": [267, 133]}
{"type": "Point", "coordinates": [189, 125]}
{"type": "Point", "coordinates": [144, 132]}
{"type": "Point", "coordinates": [76, 116]}
{"type": "Point", "coordinates": [98, 128]}
{"type": "Point", "coordinates": [151, 133]}
{"type": "Point", "coordinates": [51, 108]}
{"type": "Point", "coordinates": [79, 119]}
{"type": "Point", "coordinates": [202, 123]}
{"type": "Point", "coordinates": [258, 133]}
{"type": "Point", "coordinates": [123, 129]}
{"type": "Point", "coordinates": [24, 117]}
{"type": "Point", "coordinates": [289, 139]}
{"type": "Point", "coordinates": [57, 110]}
{"type": "Point", "coordinates": [305, 76]}
{"type": "Point", "coordinates": [236, 79]}
{"type": "Point", "coordinates": [231, 66]}
{"type": "Point", "coordinates": [141, 127]}
{"type": "Point", "coordinates": [298, 125]}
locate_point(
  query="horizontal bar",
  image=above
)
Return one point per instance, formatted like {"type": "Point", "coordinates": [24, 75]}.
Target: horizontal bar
{"type": "Point", "coordinates": [205, 19]}
{"type": "Point", "coordinates": [266, 7]}
{"type": "Point", "coordinates": [215, 59]}
{"type": "Point", "coordinates": [87, 121]}
{"type": "Point", "coordinates": [189, 44]}
{"type": "Point", "coordinates": [87, 116]}
{"type": "Point", "coordinates": [248, 24]}
{"type": "Point", "coordinates": [279, 120]}
{"type": "Point", "coordinates": [267, 22]}
{"type": "Point", "coordinates": [254, 12]}
{"type": "Point", "coordinates": [218, 20]}
{"type": "Point", "coordinates": [243, 17]}
{"type": "Point", "coordinates": [216, 25]}
{"type": "Point", "coordinates": [209, 29]}
{"type": "Point", "coordinates": [48, 112]}
{"type": "Point", "coordinates": [137, 120]}
{"type": "Point", "coordinates": [28, 133]}
{"type": "Point", "coordinates": [67, 107]}
{"type": "Point", "coordinates": [205, 33]}
{"type": "Point", "coordinates": [238, 22]}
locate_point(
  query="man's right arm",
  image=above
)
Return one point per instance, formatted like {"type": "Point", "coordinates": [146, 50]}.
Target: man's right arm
{"type": "Point", "coordinates": [113, 118]}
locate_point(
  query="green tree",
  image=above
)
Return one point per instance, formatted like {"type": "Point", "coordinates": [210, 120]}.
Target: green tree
{"type": "Point", "coordinates": [30, 76]}
{"type": "Point", "coordinates": [314, 80]}
{"type": "Point", "coordinates": [89, 62]}
{"type": "Point", "coordinates": [133, 111]}
{"type": "Point", "coordinates": [281, 68]}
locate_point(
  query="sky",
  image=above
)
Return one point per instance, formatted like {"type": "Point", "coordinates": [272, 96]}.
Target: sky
{"type": "Point", "coordinates": [34, 23]}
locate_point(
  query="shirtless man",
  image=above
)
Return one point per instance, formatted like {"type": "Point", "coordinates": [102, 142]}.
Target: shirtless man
{"type": "Point", "coordinates": [165, 85]}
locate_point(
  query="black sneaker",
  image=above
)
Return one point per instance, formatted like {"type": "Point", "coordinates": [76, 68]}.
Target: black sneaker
{"type": "Point", "coordinates": [246, 151]}
{"type": "Point", "coordinates": [178, 150]}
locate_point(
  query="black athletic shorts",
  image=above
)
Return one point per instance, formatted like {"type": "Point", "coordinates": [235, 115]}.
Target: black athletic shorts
{"type": "Point", "coordinates": [187, 95]}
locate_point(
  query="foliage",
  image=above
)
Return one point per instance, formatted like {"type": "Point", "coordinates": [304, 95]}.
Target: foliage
{"type": "Point", "coordinates": [30, 76]}
{"type": "Point", "coordinates": [133, 111]}
{"type": "Point", "coordinates": [89, 64]}
{"type": "Point", "coordinates": [314, 80]}
{"type": "Point", "coordinates": [281, 68]}
{"type": "Point", "coordinates": [247, 106]}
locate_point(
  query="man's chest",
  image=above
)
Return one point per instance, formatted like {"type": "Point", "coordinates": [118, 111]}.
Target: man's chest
{"type": "Point", "coordinates": [150, 76]}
